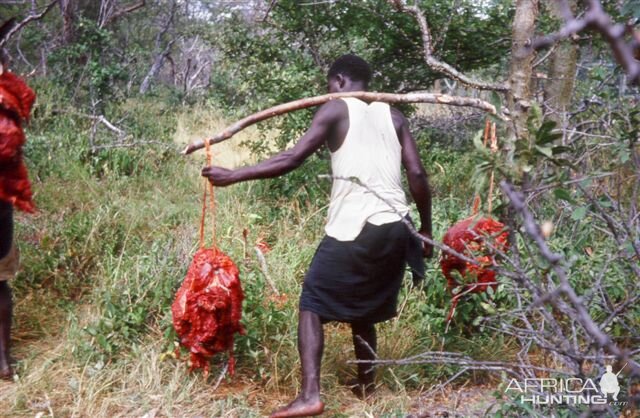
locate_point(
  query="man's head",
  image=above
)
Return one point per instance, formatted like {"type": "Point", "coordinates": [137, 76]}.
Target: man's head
{"type": "Point", "coordinates": [348, 73]}
{"type": "Point", "coordinates": [609, 368]}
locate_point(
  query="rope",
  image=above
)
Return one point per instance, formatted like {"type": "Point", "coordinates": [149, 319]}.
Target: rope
{"type": "Point", "coordinates": [208, 189]}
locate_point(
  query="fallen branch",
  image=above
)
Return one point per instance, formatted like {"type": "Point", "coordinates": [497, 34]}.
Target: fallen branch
{"type": "Point", "coordinates": [459, 359]}
{"type": "Point", "coordinates": [281, 109]}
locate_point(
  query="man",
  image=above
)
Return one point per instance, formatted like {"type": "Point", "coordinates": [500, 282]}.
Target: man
{"type": "Point", "coordinates": [357, 270]}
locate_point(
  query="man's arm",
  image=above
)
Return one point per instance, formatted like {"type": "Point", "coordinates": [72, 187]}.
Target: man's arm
{"type": "Point", "coordinates": [416, 175]}
{"type": "Point", "coordinates": [322, 127]}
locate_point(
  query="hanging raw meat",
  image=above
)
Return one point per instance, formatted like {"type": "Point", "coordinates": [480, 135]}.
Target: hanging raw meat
{"type": "Point", "coordinates": [470, 237]}
{"type": "Point", "coordinates": [16, 100]}
{"type": "Point", "coordinates": [208, 307]}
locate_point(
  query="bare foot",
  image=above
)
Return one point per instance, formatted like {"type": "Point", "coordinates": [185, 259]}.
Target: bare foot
{"type": "Point", "coordinates": [300, 407]}
{"type": "Point", "coordinates": [6, 374]}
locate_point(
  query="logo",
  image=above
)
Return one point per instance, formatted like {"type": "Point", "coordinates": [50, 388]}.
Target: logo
{"type": "Point", "coordinates": [609, 382]}
{"type": "Point", "coordinates": [569, 391]}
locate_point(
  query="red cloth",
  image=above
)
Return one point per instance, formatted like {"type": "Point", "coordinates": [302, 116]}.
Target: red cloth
{"type": "Point", "coordinates": [16, 100]}
{"type": "Point", "coordinates": [469, 237]}
{"type": "Point", "coordinates": [208, 307]}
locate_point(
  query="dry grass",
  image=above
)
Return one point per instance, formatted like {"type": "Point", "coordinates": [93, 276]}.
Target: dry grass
{"type": "Point", "coordinates": [202, 122]}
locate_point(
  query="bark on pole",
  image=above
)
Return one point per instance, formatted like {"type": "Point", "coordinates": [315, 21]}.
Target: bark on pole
{"type": "Point", "coordinates": [521, 67]}
{"type": "Point", "coordinates": [281, 109]}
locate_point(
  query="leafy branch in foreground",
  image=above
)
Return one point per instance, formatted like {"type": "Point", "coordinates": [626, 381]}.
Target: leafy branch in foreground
{"type": "Point", "coordinates": [597, 19]}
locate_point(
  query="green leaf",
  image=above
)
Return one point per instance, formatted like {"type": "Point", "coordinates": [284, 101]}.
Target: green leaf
{"type": "Point", "coordinates": [579, 213]}
{"type": "Point", "coordinates": [546, 151]}
{"type": "Point", "coordinates": [477, 142]}
{"type": "Point", "coordinates": [563, 194]}
{"type": "Point", "coordinates": [496, 100]}
{"type": "Point", "coordinates": [103, 342]}
{"type": "Point", "coordinates": [560, 149]}
{"type": "Point", "coordinates": [488, 307]}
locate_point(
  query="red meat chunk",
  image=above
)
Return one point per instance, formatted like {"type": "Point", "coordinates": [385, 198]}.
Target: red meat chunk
{"type": "Point", "coordinates": [470, 237]}
{"type": "Point", "coordinates": [208, 307]}
{"type": "Point", "coordinates": [15, 95]}
{"type": "Point", "coordinates": [16, 100]}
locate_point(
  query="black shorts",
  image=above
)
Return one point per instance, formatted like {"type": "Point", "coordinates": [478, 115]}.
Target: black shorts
{"type": "Point", "coordinates": [6, 227]}
{"type": "Point", "coordinates": [358, 281]}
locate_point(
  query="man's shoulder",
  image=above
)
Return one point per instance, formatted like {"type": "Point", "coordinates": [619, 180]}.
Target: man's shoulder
{"type": "Point", "coordinates": [334, 107]}
{"type": "Point", "coordinates": [398, 118]}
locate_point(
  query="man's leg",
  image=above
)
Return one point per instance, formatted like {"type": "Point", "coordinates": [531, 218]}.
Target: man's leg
{"type": "Point", "coordinates": [310, 346]}
{"type": "Point", "coordinates": [6, 307]}
{"type": "Point", "coordinates": [365, 345]}
{"type": "Point", "coordinates": [6, 304]}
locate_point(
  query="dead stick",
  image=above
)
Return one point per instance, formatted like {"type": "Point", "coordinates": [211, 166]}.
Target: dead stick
{"type": "Point", "coordinates": [265, 271]}
{"type": "Point", "coordinates": [318, 100]}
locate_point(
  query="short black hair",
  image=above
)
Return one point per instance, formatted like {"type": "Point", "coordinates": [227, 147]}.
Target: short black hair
{"type": "Point", "coordinates": [352, 66]}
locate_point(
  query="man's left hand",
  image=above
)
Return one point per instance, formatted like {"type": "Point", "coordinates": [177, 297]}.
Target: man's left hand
{"type": "Point", "coordinates": [219, 176]}
{"type": "Point", "coordinates": [427, 249]}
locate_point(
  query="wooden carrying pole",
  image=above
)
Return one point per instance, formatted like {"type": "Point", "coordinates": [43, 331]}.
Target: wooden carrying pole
{"type": "Point", "coordinates": [434, 98]}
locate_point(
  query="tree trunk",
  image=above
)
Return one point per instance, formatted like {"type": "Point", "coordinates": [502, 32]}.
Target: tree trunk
{"type": "Point", "coordinates": [161, 53]}
{"type": "Point", "coordinates": [562, 71]}
{"type": "Point", "coordinates": [521, 67]}
{"type": "Point", "coordinates": [155, 68]}
{"type": "Point", "coordinates": [68, 21]}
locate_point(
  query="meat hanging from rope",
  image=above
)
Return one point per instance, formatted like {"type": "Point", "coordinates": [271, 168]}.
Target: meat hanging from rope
{"type": "Point", "coordinates": [208, 308]}
{"type": "Point", "coordinates": [16, 100]}
{"type": "Point", "coordinates": [473, 237]}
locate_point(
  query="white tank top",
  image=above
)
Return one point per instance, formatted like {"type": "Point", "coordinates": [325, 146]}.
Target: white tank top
{"type": "Point", "coordinates": [371, 152]}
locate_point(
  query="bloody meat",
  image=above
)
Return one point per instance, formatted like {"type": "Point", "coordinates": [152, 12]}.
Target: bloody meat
{"type": "Point", "coordinates": [16, 100]}
{"type": "Point", "coordinates": [208, 308]}
{"type": "Point", "coordinates": [469, 237]}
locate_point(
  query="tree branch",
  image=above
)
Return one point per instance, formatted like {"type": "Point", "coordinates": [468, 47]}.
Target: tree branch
{"type": "Point", "coordinates": [318, 100]}
{"type": "Point", "coordinates": [121, 12]}
{"type": "Point", "coordinates": [434, 63]}
{"type": "Point", "coordinates": [25, 21]}
{"type": "Point", "coordinates": [597, 19]}
{"type": "Point", "coordinates": [599, 337]}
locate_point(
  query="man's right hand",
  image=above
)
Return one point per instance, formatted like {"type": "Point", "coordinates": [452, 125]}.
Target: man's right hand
{"type": "Point", "coordinates": [427, 248]}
